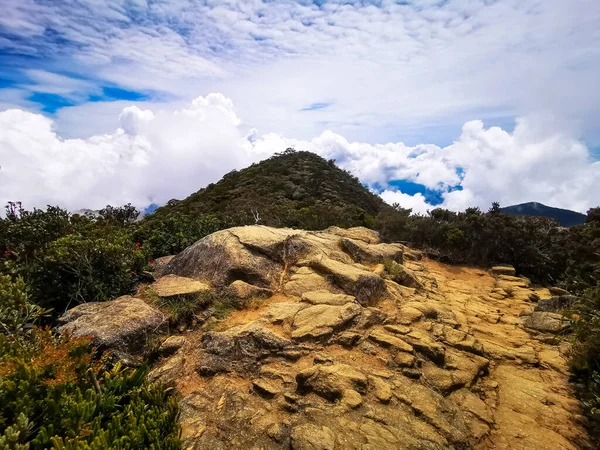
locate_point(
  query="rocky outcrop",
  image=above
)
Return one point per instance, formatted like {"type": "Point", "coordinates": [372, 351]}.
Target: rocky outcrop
{"type": "Point", "coordinates": [346, 355]}
{"type": "Point", "coordinates": [124, 326]}
{"type": "Point", "coordinates": [172, 285]}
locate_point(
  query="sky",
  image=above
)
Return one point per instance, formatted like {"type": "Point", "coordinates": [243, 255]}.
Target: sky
{"type": "Point", "coordinates": [451, 103]}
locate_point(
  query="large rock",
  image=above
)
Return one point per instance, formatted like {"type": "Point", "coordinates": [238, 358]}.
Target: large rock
{"type": "Point", "coordinates": [503, 270]}
{"type": "Point", "coordinates": [173, 285]}
{"type": "Point", "coordinates": [241, 290]}
{"type": "Point", "coordinates": [547, 322]}
{"type": "Point", "coordinates": [240, 349]}
{"type": "Point", "coordinates": [554, 304]}
{"type": "Point", "coordinates": [255, 254]}
{"type": "Point", "coordinates": [320, 321]}
{"type": "Point", "coordinates": [366, 286]}
{"type": "Point", "coordinates": [330, 382]}
{"type": "Point", "coordinates": [358, 233]}
{"type": "Point", "coordinates": [372, 254]}
{"type": "Point", "coordinates": [312, 437]}
{"type": "Point", "coordinates": [123, 326]}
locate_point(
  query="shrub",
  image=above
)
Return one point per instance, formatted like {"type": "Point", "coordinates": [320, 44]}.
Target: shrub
{"type": "Point", "coordinates": [16, 312]}
{"type": "Point", "coordinates": [169, 235]}
{"type": "Point", "coordinates": [585, 360]}
{"type": "Point", "coordinates": [55, 395]}
{"type": "Point", "coordinates": [76, 269]}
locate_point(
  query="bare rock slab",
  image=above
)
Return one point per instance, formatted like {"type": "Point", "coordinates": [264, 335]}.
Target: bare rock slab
{"type": "Point", "coordinates": [331, 381]}
{"type": "Point", "coordinates": [172, 285]}
{"type": "Point", "coordinates": [320, 321]}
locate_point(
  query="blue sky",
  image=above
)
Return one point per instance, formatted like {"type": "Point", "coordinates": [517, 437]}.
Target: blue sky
{"type": "Point", "coordinates": [381, 73]}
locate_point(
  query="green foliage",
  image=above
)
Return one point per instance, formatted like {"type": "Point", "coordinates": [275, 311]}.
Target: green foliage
{"type": "Point", "coordinates": [76, 269]}
{"type": "Point", "coordinates": [223, 307]}
{"type": "Point", "coordinates": [585, 360]}
{"type": "Point", "coordinates": [55, 396]}
{"type": "Point", "coordinates": [534, 245]}
{"type": "Point", "coordinates": [23, 233]}
{"type": "Point", "coordinates": [170, 235]}
{"type": "Point", "coordinates": [66, 260]}
{"type": "Point", "coordinates": [120, 216]}
{"type": "Point", "coordinates": [16, 312]}
{"type": "Point", "coordinates": [292, 189]}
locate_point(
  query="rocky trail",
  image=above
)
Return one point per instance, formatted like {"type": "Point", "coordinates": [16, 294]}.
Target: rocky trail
{"type": "Point", "coordinates": [342, 342]}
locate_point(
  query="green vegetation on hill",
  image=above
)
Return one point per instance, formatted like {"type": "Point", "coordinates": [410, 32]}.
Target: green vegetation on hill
{"type": "Point", "coordinates": [291, 189]}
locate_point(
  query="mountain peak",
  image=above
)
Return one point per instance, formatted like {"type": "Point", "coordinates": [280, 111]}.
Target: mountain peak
{"type": "Point", "coordinates": [296, 188]}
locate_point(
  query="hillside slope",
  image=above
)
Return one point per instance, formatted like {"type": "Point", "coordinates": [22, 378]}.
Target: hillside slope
{"type": "Point", "coordinates": [565, 217]}
{"type": "Point", "coordinates": [298, 189]}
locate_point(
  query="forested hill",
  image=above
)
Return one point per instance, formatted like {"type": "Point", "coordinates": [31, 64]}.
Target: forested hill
{"type": "Point", "coordinates": [294, 188]}
{"type": "Point", "coordinates": [565, 217]}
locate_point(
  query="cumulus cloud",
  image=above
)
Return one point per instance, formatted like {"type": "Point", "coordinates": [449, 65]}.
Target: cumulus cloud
{"type": "Point", "coordinates": [152, 157]}
{"type": "Point", "coordinates": [390, 70]}
{"type": "Point", "coordinates": [160, 154]}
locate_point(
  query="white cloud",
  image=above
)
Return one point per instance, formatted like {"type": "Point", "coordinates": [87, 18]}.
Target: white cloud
{"type": "Point", "coordinates": [153, 156]}
{"type": "Point", "coordinates": [389, 71]}
{"type": "Point", "coordinates": [160, 154]}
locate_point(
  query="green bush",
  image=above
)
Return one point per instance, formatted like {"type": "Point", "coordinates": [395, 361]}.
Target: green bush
{"type": "Point", "coordinates": [55, 395]}
{"type": "Point", "coordinates": [162, 236]}
{"type": "Point", "coordinates": [76, 269]}
{"type": "Point", "coordinates": [585, 360]}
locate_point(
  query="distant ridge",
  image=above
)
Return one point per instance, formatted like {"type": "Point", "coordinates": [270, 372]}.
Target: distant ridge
{"type": "Point", "coordinates": [565, 217]}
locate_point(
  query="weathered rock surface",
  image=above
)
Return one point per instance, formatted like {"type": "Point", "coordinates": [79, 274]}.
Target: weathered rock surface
{"type": "Point", "coordinates": [172, 285]}
{"type": "Point", "coordinates": [124, 326]}
{"type": "Point", "coordinates": [244, 291]}
{"type": "Point", "coordinates": [547, 322]}
{"type": "Point", "coordinates": [555, 304]}
{"type": "Point", "coordinates": [503, 270]}
{"type": "Point", "coordinates": [341, 358]}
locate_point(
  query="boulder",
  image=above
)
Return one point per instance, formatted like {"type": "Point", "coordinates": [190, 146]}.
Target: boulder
{"type": "Point", "coordinates": [240, 349]}
{"type": "Point", "coordinates": [173, 285]}
{"type": "Point", "coordinates": [362, 252]}
{"type": "Point", "coordinates": [312, 437]}
{"type": "Point", "coordinates": [503, 270]}
{"type": "Point", "coordinates": [366, 286]}
{"type": "Point", "coordinates": [224, 257]}
{"type": "Point", "coordinates": [122, 326]}
{"type": "Point", "coordinates": [160, 263]}
{"type": "Point", "coordinates": [241, 290]}
{"type": "Point", "coordinates": [555, 304]}
{"type": "Point", "coordinates": [331, 381]}
{"type": "Point", "coordinates": [547, 322]}
{"type": "Point", "coordinates": [323, 297]}
{"type": "Point", "coordinates": [320, 321]}
{"type": "Point", "coordinates": [357, 233]}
